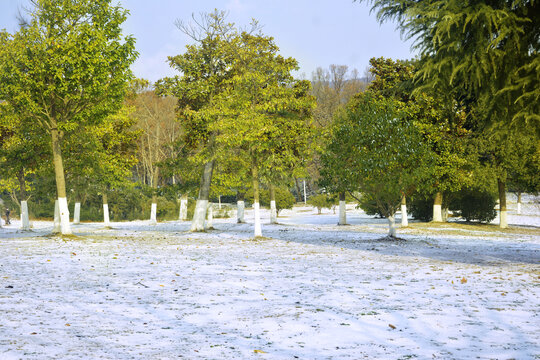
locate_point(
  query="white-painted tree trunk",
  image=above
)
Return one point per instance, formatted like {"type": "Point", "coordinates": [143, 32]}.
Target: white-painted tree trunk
{"type": "Point", "coordinates": [219, 201]}
{"type": "Point", "coordinates": [258, 230]}
{"type": "Point", "coordinates": [273, 212]}
{"type": "Point", "coordinates": [437, 213]}
{"type": "Point", "coordinates": [153, 214]}
{"type": "Point", "coordinates": [503, 221]}
{"type": "Point", "coordinates": [519, 204]}
{"type": "Point", "coordinates": [183, 209]}
{"type": "Point", "coordinates": [391, 226]}
{"type": "Point", "coordinates": [77, 213]}
{"type": "Point", "coordinates": [25, 221]}
{"type": "Point", "coordinates": [404, 219]}
{"type": "Point", "coordinates": [210, 214]}
{"type": "Point", "coordinates": [106, 219]}
{"type": "Point", "coordinates": [199, 216]}
{"type": "Point", "coordinates": [56, 227]}
{"type": "Point", "coordinates": [65, 226]}
{"type": "Point", "coordinates": [342, 213]}
{"type": "Point", "coordinates": [240, 211]}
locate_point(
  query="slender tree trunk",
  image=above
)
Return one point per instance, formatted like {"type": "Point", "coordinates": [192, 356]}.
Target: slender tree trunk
{"type": "Point", "coordinates": [437, 207]}
{"type": "Point", "coordinates": [77, 213]}
{"type": "Point", "coordinates": [298, 191]}
{"type": "Point", "coordinates": [503, 221]}
{"type": "Point", "coordinates": [404, 219]}
{"type": "Point", "coordinates": [256, 208]}
{"type": "Point", "coordinates": [65, 227]}
{"type": "Point", "coordinates": [201, 206]}
{"type": "Point", "coordinates": [273, 208]}
{"type": "Point", "coordinates": [240, 207]}
{"type": "Point", "coordinates": [183, 208]}
{"type": "Point", "coordinates": [391, 226]}
{"type": "Point", "coordinates": [106, 219]}
{"type": "Point", "coordinates": [342, 209]}
{"type": "Point", "coordinates": [25, 221]}
{"type": "Point", "coordinates": [519, 203]}
{"type": "Point", "coordinates": [153, 210]}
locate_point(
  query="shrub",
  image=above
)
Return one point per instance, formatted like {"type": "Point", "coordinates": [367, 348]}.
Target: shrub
{"type": "Point", "coordinates": [321, 201]}
{"type": "Point", "coordinates": [474, 205]}
{"type": "Point", "coordinates": [421, 208]}
{"type": "Point", "coordinates": [369, 205]}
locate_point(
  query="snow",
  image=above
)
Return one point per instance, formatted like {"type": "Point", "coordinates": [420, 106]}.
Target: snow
{"type": "Point", "coordinates": [309, 290]}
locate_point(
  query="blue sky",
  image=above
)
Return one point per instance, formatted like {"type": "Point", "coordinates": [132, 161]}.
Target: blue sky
{"type": "Point", "coordinates": [315, 32]}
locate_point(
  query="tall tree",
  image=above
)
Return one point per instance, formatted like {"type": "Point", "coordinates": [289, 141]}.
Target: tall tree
{"type": "Point", "coordinates": [68, 67]}
{"type": "Point", "coordinates": [266, 113]}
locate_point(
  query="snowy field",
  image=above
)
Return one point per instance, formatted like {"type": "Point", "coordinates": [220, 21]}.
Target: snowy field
{"type": "Point", "coordinates": [308, 290]}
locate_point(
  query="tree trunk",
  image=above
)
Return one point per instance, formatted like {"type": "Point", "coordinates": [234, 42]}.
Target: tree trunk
{"type": "Point", "coordinates": [65, 227]}
{"type": "Point", "coordinates": [77, 213]}
{"type": "Point", "coordinates": [519, 203]}
{"type": "Point", "coordinates": [391, 226]}
{"type": "Point", "coordinates": [106, 219]}
{"type": "Point", "coordinates": [298, 191]}
{"type": "Point", "coordinates": [25, 221]}
{"type": "Point", "coordinates": [240, 207]}
{"type": "Point", "coordinates": [256, 208]}
{"type": "Point", "coordinates": [201, 206]}
{"type": "Point", "coordinates": [437, 207]}
{"type": "Point", "coordinates": [503, 222]}
{"type": "Point", "coordinates": [404, 219]}
{"type": "Point", "coordinates": [183, 208]}
{"type": "Point", "coordinates": [56, 227]}
{"type": "Point", "coordinates": [342, 209]}
{"type": "Point", "coordinates": [210, 221]}
{"type": "Point", "coordinates": [153, 210]}
{"type": "Point", "coordinates": [273, 208]}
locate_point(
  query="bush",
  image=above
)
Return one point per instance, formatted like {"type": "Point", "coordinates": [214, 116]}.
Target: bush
{"type": "Point", "coordinates": [369, 205]}
{"type": "Point", "coordinates": [284, 198]}
{"type": "Point", "coordinates": [321, 201]}
{"type": "Point", "coordinates": [421, 208]}
{"type": "Point", "coordinates": [474, 205]}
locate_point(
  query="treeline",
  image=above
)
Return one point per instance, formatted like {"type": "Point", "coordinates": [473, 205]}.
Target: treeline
{"type": "Point", "coordinates": [454, 129]}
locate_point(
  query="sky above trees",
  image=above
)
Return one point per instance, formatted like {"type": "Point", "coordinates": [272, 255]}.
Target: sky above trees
{"type": "Point", "coordinates": [315, 32]}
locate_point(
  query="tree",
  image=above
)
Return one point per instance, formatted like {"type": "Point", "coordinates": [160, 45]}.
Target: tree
{"type": "Point", "coordinates": [265, 112]}
{"type": "Point", "coordinates": [489, 48]}
{"type": "Point", "coordinates": [378, 151]}
{"type": "Point", "coordinates": [205, 67]}
{"type": "Point", "coordinates": [67, 68]}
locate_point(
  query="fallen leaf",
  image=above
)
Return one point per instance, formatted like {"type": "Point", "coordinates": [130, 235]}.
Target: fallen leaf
{"type": "Point", "coordinates": [259, 352]}
{"type": "Point", "coordinates": [392, 326]}
{"type": "Point", "coordinates": [463, 280]}
{"type": "Point", "coordinates": [68, 324]}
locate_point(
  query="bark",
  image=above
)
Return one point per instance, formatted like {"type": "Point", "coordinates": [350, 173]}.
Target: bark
{"type": "Point", "coordinates": [210, 221]}
{"type": "Point", "coordinates": [273, 209]}
{"type": "Point", "coordinates": [183, 208]}
{"type": "Point", "coordinates": [256, 208]}
{"type": "Point", "coordinates": [342, 209]}
{"type": "Point", "coordinates": [391, 226]}
{"type": "Point", "coordinates": [106, 219]}
{"type": "Point", "coordinates": [404, 219]}
{"type": "Point", "coordinates": [437, 207]}
{"type": "Point", "coordinates": [65, 227]}
{"type": "Point", "coordinates": [519, 203]}
{"type": "Point", "coordinates": [503, 222]}
{"type": "Point", "coordinates": [240, 207]}
{"type": "Point", "coordinates": [77, 213]}
{"type": "Point", "coordinates": [25, 221]}
{"type": "Point", "coordinates": [199, 215]}
{"type": "Point", "coordinates": [298, 191]}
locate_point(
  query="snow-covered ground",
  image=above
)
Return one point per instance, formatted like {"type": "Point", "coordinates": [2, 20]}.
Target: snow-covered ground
{"type": "Point", "coordinates": [309, 290]}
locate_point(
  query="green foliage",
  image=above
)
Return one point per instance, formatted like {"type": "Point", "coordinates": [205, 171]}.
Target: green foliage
{"type": "Point", "coordinates": [321, 201]}
{"type": "Point", "coordinates": [284, 198]}
{"type": "Point", "coordinates": [421, 208]}
{"type": "Point", "coordinates": [376, 150]}
{"type": "Point", "coordinates": [474, 205]}
{"type": "Point", "coordinates": [488, 48]}
{"type": "Point", "coordinates": [369, 204]}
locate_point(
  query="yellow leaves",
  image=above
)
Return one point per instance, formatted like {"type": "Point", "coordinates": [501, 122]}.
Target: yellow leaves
{"type": "Point", "coordinates": [463, 280]}
{"type": "Point", "coordinates": [259, 352]}
{"type": "Point", "coordinates": [392, 326]}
